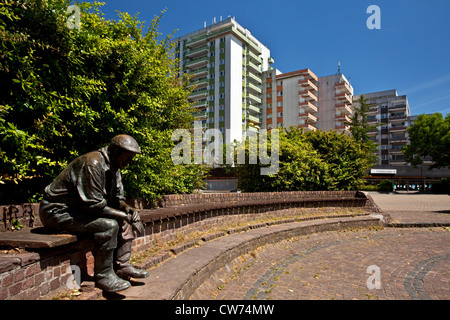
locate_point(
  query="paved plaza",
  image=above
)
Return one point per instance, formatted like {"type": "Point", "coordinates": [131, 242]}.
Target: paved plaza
{"type": "Point", "coordinates": [411, 262]}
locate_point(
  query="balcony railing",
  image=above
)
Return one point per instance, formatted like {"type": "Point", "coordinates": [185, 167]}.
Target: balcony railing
{"type": "Point", "coordinates": [307, 106]}
{"type": "Point", "coordinates": [344, 108]}
{"type": "Point", "coordinates": [308, 117]}
{"type": "Point", "coordinates": [253, 119]}
{"type": "Point", "coordinates": [254, 98]}
{"type": "Point", "coordinates": [343, 87]}
{"type": "Point", "coordinates": [254, 77]}
{"type": "Point", "coordinates": [253, 108]}
{"type": "Point", "coordinates": [254, 88]}
{"type": "Point", "coordinates": [308, 127]}
{"type": "Point", "coordinates": [307, 96]}
{"type": "Point", "coordinates": [197, 62]}
{"type": "Point", "coordinates": [343, 97]}
{"type": "Point", "coordinates": [253, 67]}
{"type": "Point", "coordinates": [307, 84]}
{"type": "Point", "coordinates": [198, 93]}
{"type": "Point", "coordinates": [343, 117]}
{"type": "Point", "coordinates": [199, 50]}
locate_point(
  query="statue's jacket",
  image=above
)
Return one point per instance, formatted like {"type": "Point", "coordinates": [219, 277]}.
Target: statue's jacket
{"type": "Point", "coordinates": [85, 186]}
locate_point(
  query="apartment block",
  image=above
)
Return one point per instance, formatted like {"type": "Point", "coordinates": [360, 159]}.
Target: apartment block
{"type": "Point", "coordinates": [226, 63]}
{"type": "Point", "coordinates": [391, 114]}
{"type": "Point", "coordinates": [302, 99]}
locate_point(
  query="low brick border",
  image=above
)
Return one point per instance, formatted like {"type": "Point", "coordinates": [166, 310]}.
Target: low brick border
{"type": "Point", "coordinates": [167, 283]}
{"type": "Point", "coordinates": [35, 274]}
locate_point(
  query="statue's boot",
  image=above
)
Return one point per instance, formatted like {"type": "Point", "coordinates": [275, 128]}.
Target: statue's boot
{"type": "Point", "coordinates": [122, 263]}
{"type": "Point", "coordinates": [104, 275]}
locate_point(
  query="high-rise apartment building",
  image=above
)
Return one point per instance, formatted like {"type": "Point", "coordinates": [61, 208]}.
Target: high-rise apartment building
{"type": "Point", "coordinates": [226, 63]}
{"type": "Point", "coordinates": [302, 99]}
{"type": "Point", "coordinates": [391, 114]}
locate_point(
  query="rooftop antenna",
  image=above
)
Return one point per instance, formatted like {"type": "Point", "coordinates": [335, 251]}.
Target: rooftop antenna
{"type": "Point", "coordinates": [339, 67]}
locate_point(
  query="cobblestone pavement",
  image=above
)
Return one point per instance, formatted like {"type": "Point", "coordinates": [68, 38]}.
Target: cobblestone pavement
{"type": "Point", "coordinates": [410, 263]}
{"type": "Point", "coordinates": [414, 207]}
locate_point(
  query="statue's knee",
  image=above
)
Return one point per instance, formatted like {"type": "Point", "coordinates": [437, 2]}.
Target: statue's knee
{"type": "Point", "coordinates": [108, 225]}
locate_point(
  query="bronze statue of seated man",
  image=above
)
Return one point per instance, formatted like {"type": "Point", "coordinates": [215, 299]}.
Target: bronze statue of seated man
{"type": "Point", "coordinates": [87, 197]}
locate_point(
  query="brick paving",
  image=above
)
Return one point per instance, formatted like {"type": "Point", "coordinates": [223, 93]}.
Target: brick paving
{"type": "Point", "coordinates": [412, 263]}
{"type": "Point", "coordinates": [414, 207]}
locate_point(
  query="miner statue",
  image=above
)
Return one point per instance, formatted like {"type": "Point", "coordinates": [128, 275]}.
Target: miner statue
{"type": "Point", "coordinates": [87, 198]}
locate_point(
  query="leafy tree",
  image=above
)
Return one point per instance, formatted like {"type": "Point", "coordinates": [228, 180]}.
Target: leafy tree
{"type": "Point", "coordinates": [313, 160]}
{"type": "Point", "coordinates": [65, 92]}
{"type": "Point", "coordinates": [429, 136]}
{"type": "Point", "coordinates": [360, 127]}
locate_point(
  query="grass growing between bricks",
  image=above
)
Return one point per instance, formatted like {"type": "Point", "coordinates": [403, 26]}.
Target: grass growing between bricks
{"type": "Point", "coordinates": [183, 240]}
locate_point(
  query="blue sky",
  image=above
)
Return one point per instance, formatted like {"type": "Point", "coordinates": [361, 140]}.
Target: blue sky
{"type": "Point", "coordinates": [410, 53]}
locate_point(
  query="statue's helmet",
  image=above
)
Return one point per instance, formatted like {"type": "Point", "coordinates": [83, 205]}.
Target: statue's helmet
{"type": "Point", "coordinates": [125, 142]}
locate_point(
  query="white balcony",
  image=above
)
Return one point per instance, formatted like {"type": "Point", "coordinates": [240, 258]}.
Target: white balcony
{"type": "Point", "coordinates": [197, 63]}
{"type": "Point", "coordinates": [344, 108]}
{"type": "Point", "coordinates": [343, 98]}
{"type": "Point", "coordinates": [343, 87]}
{"type": "Point", "coordinates": [306, 84]}
{"type": "Point", "coordinates": [308, 127]}
{"type": "Point", "coordinates": [253, 88]}
{"type": "Point", "coordinates": [307, 106]}
{"type": "Point", "coordinates": [308, 117]}
{"type": "Point", "coordinates": [192, 53]}
{"type": "Point", "coordinates": [253, 119]}
{"type": "Point", "coordinates": [253, 98]}
{"type": "Point", "coordinates": [307, 96]}
{"type": "Point", "coordinates": [343, 118]}
{"type": "Point", "coordinates": [197, 94]}
{"type": "Point", "coordinates": [253, 108]}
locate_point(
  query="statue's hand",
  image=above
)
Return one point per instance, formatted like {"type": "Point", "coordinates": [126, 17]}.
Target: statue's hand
{"type": "Point", "coordinates": [138, 227]}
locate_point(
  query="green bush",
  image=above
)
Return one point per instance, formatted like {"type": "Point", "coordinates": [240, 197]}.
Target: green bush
{"type": "Point", "coordinates": [386, 186]}
{"type": "Point", "coordinates": [442, 186]}
{"type": "Point", "coordinates": [313, 160]}
{"type": "Point", "coordinates": [65, 92]}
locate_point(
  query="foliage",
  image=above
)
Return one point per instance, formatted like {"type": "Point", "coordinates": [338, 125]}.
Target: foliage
{"type": "Point", "coordinates": [386, 186]}
{"type": "Point", "coordinates": [442, 186]}
{"type": "Point", "coordinates": [429, 136]}
{"type": "Point", "coordinates": [360, 127]}
{"type": "Point", "coordinates": [65, 92]}
{"type": "Point", "coordinates": [313, 160]}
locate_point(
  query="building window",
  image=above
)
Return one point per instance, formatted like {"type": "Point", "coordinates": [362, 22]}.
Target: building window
{"type": "Point", "coordinates": [212, 53]}
{"type": "Point", "coordinates": [211, 98]}
{"type": "Point", "coordinates": [280, 93]}
{"type": "Point", "coordinates": [222, 84]}
{"type": "Point", "coordinates": [212, 75]}
{"type": "Point", "coordinates": [212, 43]}
{"type": "Point", "coordinates": [212, 64]}
{"type": "Point", "coordinates": [222, 61]}
{"type": "Point", "coordinates": [222, 73]}
{"type": "Point", "coordinates": [280, 103]}
{"type": "Point", "coordinates": [279, 114]}
{"type": "Point", "coordinates": [269, 116]}
{"type": "Point", "coordinates": [222, 96]}
{"type": "Point", "coordinates": [221, 107]}
{"type": "Point", "coordinates": [222, 39]}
